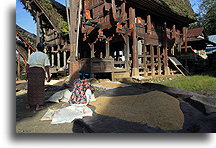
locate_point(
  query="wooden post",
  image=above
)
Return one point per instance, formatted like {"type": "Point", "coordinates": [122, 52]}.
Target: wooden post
{"type": "Point", "coordinates": [38, 28]}
{"type": "Point", "coordinates": [152, 60]}
{"type": "Point", "coordinates": [65, 58]}
{"type": "Point", "coordinates": [127, 52]}
{"type": "Point", "coordinates": [92, 50]}
{"type": "Point", "coordinates": [18, 65]}
{"type": "Point", "coordinates": [174, 31]}
{"type": "Point", "coordinates": [101, 55]}
{"type": "Point", "coordinates": [144, 59]}
{"type": "Point", "coordinates": [74, 65]}
{"type": "Point", "coordinates": [185, 43]}
{"type": "Point", "coordinates": [58, 60]}
{"type": "Point", "coordinates": [132, 16]}
{"type": "Point", "coordinates": [165, 59]}
{"type": "Point", "coordinates": [52, 56]}
{"type": "Point", "coordinates": [73, 27]}
{"type": "Point", "coordinates": [107, 49]}
{"type": "Point", "coordinates": [148, 29]}
{"type": "Point", "coordinates": [159, 60]}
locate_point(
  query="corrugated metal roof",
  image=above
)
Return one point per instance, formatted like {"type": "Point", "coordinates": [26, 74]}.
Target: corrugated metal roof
{"type": "Point", "coordinates": [212, 38]}
{"type": "Point", "coordinates": [195, 32]}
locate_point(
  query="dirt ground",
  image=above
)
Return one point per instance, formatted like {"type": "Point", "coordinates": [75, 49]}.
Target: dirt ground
{"type": "Point", "coordinates": [28, 121]}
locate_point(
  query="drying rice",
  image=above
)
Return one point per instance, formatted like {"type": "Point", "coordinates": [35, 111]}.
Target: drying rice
{"type": "Point", "coordinates": [156, 109]}
{"type": "Point", "coordinates": [111, 84]}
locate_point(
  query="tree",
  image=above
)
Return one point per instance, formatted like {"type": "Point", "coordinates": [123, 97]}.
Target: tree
{"type": "Point", "coordinates": [206, 17]}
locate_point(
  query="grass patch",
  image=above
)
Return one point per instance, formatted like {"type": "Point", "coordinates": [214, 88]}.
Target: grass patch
{"type": "Point", "coordinates": [198, 83]}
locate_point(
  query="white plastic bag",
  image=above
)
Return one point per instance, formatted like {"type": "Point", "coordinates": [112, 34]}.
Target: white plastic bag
{"type": "Point", "coordinates": [90, 96]}
{"type": "Point", "coordinates": [56, 97]}
{"type": "Point", "coordinates": [49, 115]}
{"type": "Point", "coordinates": [63, 96]}
{"type": "Point", "coordinates": [66, 96]}
{"type": "Point", "coordinates": [70, 113]}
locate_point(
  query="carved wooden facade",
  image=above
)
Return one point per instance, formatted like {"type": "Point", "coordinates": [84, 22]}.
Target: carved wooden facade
{"type": "Point", "coordinates": [138, 40]}
{"type": "Point", "coordinates": [120, 37]}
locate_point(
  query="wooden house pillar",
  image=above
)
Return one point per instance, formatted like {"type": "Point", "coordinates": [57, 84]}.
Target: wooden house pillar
{"type": "Point", "coordinates": [107, 49]}
{"type": "Point", "coordinates": [74, 65]}
{"type": "Point", "coordinates": [159, 60]}
{"type": "Point", "coordinates": [52, 59]}
{"type": "Point", "coordinates": [38, 28]}
{"type": "Point", "coordinates": [144, 59]}
{"type": "Point", "coordinates": [65, 58]}
{"type": "Point", "coordinates": [58, 59]}
{"type": "Point", "coordinates": [174, 31]}
{"type": "Point", "coordinates": [52, 56]}
{"type": "Point", "coordinates": [165, 53]}
{"type": "Point", "coordinates": [127, 50]}
{"type": "Point", "coordinates": [132, 16]}
{"type": "Point", "coordinates": [152, 60]}
{"type": "Point", "coordinates": [185, 29]}
{"type": "Point", "coordinates": [148, 29]}
{"type": "Point", "coordinates": [92, 50]}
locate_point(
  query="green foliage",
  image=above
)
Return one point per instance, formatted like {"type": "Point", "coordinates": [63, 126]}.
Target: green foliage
{"type": "Point", "coordinates": [206, 17]}
{"type": "Point", "coordinates": [198, 83]}
{"type": "Point", "coordinates": [181, 7]}
{"type": "Point", "coordinates": [64, 28]}
{"type": "Point", "coordinates": [54, 15]}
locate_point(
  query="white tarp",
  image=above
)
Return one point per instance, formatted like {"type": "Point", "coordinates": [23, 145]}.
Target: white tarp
{"type": "Point", "coordinates": [67, 114]}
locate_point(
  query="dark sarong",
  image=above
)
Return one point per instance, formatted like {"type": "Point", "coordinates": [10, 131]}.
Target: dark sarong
{"type": "Point", "coordinates": [36, 88]}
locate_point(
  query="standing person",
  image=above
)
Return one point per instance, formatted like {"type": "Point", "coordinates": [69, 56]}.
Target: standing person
{"type": "Point", "coordinates": [37, 66]}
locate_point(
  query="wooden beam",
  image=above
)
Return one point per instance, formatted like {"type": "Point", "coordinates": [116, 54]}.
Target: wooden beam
{"type": "Point", "coordinates": [144, 59]}
{"type": "Point", "coordinates": [74, 65]}
{"type": "Point", "coordinates": [152, 60]}
{"type": "Point", "coordinates": [38, 28]}
{"type": "Point", "coordinates": [165, 59]}
{"type": "Point", "coordinates": [92, 50]}
{"type": "Point", "coordinates": [107, 49]}
{"type": "Point", "coordinates": [174, 31]}
{"type": "Point", "coordinates": [114, 10]}
{"type": "Point", "coordinates": [68, 18]}
{"type": "Point", "coordinates": [18, 66]}
{"type": "Point", "coordinates": [58, 60]}
{"type": "Point", "coordinates": [132, 16]}
{"type": "Point", "coordinates": [73, 26]}
{"type": "Point", "coordinates": [127, 51]}
{"type": "Point", "coordinates": [185, 30]}
{"type": "Point", "coordinates": [123, 12]}
{"type": "Point", "coordinates": [65, 57]}
{"type": "Point", "coordinates": [159, 60]}
{"type": "Point", "coordinates": [52, 59]}
{"type": "Point", "coordinates": [148, 29]}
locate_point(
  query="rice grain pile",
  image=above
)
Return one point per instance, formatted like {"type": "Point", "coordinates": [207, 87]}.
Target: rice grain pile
{"type": "Point", "coordinates": [156, 109]}
{"type": "Point", "coordinates": [111, 85]}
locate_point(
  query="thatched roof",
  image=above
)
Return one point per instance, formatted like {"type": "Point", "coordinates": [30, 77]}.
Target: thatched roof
{"type": "Point", "coordinates": [54, 11]}
{"type": "Point", "coordinates": [176, 10]}
{"type": "Point", "coordinates": [180, 7]}
{"type": "Point", "coordinates": [29, 37]}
